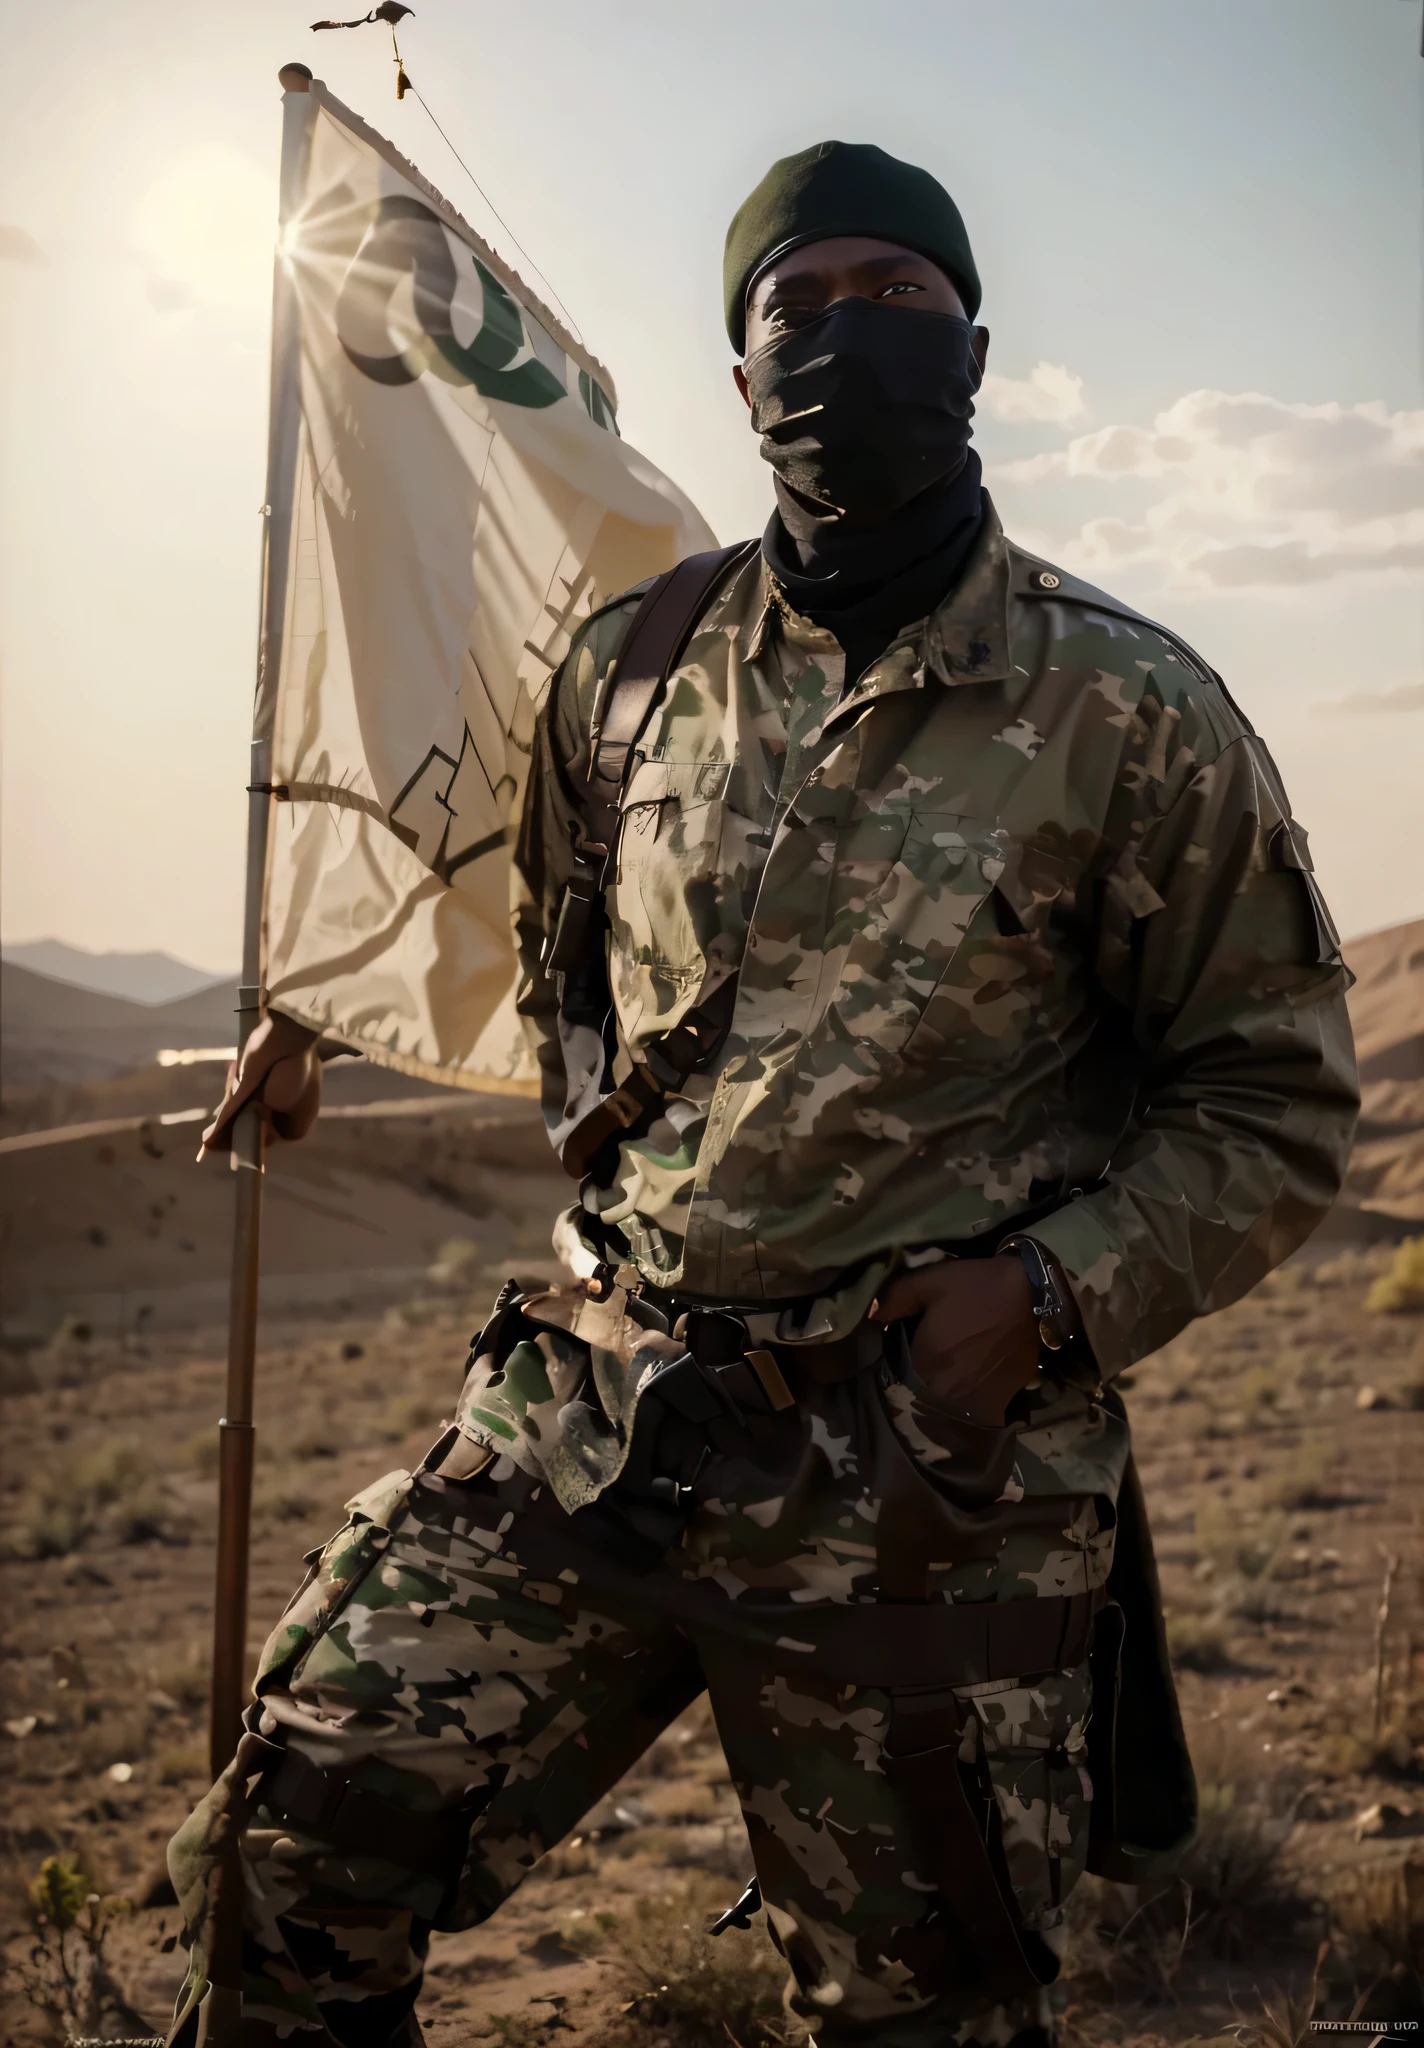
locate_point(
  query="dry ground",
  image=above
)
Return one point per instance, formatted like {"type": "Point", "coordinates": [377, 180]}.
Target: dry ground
{"type": "Point", "coordinates": [1277, 1500]}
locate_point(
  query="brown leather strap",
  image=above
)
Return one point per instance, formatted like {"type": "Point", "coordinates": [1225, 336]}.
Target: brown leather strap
{"type": "Point", "coordinates": [661, 627]}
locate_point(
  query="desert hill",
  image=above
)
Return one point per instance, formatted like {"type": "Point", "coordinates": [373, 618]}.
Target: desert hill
{"type": "Point", "coordinates": [137, 977]}
{"type": "Point", "coordinates": [55, 1031]}
{"type": "Point", "coordinates": [1386, 1179]}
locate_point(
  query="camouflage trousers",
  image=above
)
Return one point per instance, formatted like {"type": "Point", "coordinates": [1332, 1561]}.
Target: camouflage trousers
{"type": "Point", "coordinates": [468, 1669]}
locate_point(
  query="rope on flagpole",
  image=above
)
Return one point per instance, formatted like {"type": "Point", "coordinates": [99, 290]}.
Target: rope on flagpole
{"type": "Point", "coordinates": [392, 12]}
{"type": "Point", "coordinates": [547, 282]}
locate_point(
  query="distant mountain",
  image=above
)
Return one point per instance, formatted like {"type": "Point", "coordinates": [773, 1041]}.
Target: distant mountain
{"type": "Point", "coordinates": [137, 977]}
{"type": "Point", "coordinates": [52, 1031]}
{"type": "Point", "coordinates": [1386, 1177]}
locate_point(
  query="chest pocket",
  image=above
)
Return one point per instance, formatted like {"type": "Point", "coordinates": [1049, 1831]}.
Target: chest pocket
{"type": "Point", "coordinates": [671, 900]}
{"type": "Point", "coordinates": [1010, 979]}
{"type": "Point", "coordinates": [928, 874]}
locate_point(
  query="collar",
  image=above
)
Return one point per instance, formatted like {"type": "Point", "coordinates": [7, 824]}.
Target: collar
{"type": "Point", "coordinates": [965, 641]}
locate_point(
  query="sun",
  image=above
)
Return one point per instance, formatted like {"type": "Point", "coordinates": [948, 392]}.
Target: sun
{"type": "Point", "coordinates": [208, 225]}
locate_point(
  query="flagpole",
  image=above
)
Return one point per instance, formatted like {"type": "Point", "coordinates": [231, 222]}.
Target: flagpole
{"type": "Point", "coordinates": [236, 1430]}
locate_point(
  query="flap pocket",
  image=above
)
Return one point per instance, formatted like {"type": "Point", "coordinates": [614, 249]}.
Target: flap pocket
{"type": "Point", "coordinates": [665, 904]}
{"type": "Point", "coordinates": [1289, 852]}
{"type": "Point", "coordinates": [1290, 847]}
{"type": "Point", "coordinates": [900, 935]}
{"type": "Point", "coordinates": [685, 782]}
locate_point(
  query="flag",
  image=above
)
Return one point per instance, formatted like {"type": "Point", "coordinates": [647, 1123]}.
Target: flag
{"type": "Point", "coordinates": [461, 499]}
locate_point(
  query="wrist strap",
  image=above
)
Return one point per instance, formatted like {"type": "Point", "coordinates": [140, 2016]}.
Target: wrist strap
{"type": "Point", "coordinates": [1045, 1296]}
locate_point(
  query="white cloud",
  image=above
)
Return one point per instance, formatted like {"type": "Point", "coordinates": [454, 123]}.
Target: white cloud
{"type": "Point", "coordinates": [1049, 393]}
{"type": "Point", "coordinates": [1258, 493]}
{"type": "Point", "coordinates": [18, 247]}
{"type": "Point", "coordinates": [1365, 703]}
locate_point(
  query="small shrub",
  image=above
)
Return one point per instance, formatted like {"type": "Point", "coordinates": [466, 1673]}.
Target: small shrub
{"type": "Point", "coordinates": [409, 1412]}
{"type": "Point", "coordinates": [182, 1671]}
{"type": "Point", "coordinates": [65, 1974]}
{"type": "Point", "coordinates": [1284, 2020]}
{"type": "Point", "coordinates": [1198, 1642]}
{"type": "Point", "coordinates": [1233, 1548]}
{"type": "Point", "coordinates": [1260, 1389]}
{"type": "Point", "coordinates": [277, 1497]}
{"type": "Point", "coordinates": [200, 1451]}
{"type": "Point", "coordinates": [1400, 1291]}
{"type": "Point", "coordinates": [181, 1762]}
{"type": "Point", "coordinates": [575, 1858]}
{"type": "Point", "coordinates": [111, 1492]}
{"type": "Point", "coordinates": [316, 1443]}
{"type": "Point", "coordinates": [587, 1933]}
{"type": "Point", "coordinates": [1232, 1888]}
{"type": "Point", "coordinates": [681, 1984]}
{"type": "Point", "coordinates": [458, 1263]}
{"type": "Point", "coordinates": [1303, 1482]}
{"type": "Point", "coordinates": [1240, 1886]}
{"type": "Point", "coordinates": [519, 2029]}
{"type": "Point", "coordinates": [118, 1735]}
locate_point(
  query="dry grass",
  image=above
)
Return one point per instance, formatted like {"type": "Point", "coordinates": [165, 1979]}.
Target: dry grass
{"type": "Point", "coordinates": [679, 1984]}
{"type": "Point", "coordinates": [1400, 1291]}
{"type": "Point", "coordinates": [1376, 1918]}
{"type": "Point", "coordinates": [1233, 1891]}
{"type": "Point", "coordinates": [1284, 2020]}
{"type": "Point", "coordinates": [1303, 1483]}
{"type": "Point", "coordinates": [109, 1493]}
{"type": "Point", "coordinates": [1198, 1642]}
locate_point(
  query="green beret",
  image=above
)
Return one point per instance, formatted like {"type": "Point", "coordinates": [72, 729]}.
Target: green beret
{"type": "Point", "coordinates": [843, 188]}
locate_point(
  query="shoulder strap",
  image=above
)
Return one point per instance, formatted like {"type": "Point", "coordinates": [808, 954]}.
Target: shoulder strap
{"type": "Point", "coordinates": [661, 628]}
{"type": "Point", "coordinates": [659, 631]}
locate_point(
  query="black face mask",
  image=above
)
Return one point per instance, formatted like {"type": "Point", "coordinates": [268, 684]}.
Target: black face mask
{"type": "Point", "coordinates": [864, 408]}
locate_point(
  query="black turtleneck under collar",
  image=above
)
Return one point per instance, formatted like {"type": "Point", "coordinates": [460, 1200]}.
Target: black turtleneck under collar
{"type": "Point", "coordinates": [865, 587]}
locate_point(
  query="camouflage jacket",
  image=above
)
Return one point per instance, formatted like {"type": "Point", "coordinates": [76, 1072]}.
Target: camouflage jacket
{"type": "Point", "coordinates": [1026, 935]}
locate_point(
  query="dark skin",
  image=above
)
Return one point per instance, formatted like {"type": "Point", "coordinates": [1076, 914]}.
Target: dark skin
{"type": "Point", "coordinates": [976, 1342]}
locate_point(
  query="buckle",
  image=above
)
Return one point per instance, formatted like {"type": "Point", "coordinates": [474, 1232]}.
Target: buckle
{"type": "Point", "coordinates": [715, 1336]}
{"type": "Point", "coordinates": [647, 1315]}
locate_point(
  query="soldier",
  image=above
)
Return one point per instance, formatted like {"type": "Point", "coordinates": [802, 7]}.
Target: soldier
{"type": "Point", "coordinates": [936, 1006]}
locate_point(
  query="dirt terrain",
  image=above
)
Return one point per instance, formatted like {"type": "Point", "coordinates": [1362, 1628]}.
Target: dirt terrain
{"type": "Point", "coordinates": [1282, 1444]}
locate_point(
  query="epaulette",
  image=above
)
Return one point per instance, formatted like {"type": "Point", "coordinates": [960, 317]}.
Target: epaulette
{"type": "Point", "coordinates": [1037, 578]}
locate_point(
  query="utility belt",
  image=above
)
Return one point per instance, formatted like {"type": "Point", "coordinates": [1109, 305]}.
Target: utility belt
{"type": "Point", "coordinates": [715, 1397]}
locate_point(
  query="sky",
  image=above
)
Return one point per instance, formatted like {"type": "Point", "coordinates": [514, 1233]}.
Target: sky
{"type": "Point", "coordinates": [1199, 230]}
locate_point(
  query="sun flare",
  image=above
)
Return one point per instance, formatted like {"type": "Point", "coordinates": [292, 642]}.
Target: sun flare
{"type": "Point", "coordinates": [207, 227]}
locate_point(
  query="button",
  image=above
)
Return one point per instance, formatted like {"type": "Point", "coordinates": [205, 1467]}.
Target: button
{"type": "Point", "coordinates": [1047, 580]}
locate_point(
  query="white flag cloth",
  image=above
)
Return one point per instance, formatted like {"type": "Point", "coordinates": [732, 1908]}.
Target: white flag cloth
{"type": "Point", "coordinates": [462, 500]}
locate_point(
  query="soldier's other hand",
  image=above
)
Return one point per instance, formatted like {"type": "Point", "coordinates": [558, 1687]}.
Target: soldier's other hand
{"type": "Point", "coordinates": [279, 1068]}
{"type": "Point", "coordinates": [976, 1344]}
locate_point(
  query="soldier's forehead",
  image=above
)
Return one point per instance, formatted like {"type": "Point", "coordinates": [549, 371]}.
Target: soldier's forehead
{"type": "Point", "coordinates": [810, 260]}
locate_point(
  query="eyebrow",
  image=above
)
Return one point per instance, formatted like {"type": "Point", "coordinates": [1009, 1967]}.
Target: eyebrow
{"type": "Point", "coordinates": [872, 266]}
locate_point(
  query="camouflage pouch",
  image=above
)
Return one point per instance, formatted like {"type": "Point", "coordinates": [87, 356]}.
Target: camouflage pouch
{"type": "Point", "coordinates": [553, 1382]}
{"type": "Point", "coordinates": [333, 1574]}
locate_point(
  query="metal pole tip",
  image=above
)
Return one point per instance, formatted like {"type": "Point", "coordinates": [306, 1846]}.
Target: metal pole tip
{"type": "Point", "coordinates": [294, 78]}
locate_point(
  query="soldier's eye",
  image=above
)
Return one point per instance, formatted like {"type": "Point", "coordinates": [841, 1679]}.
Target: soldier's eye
{"type": "Point", "coordinates": [904, 286]}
